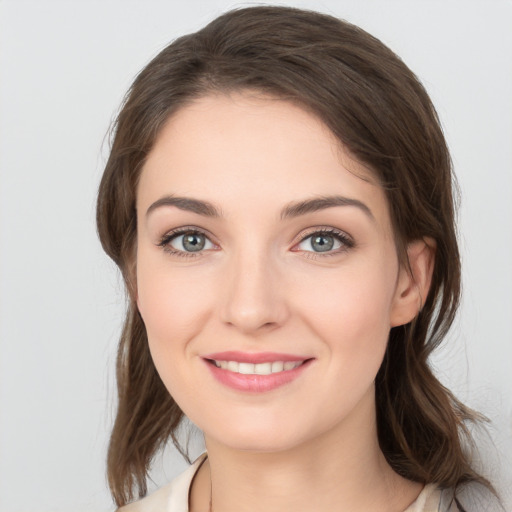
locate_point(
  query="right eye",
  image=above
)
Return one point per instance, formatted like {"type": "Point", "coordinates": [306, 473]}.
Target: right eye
{"type": "Point", "coordinates": [186, 243]}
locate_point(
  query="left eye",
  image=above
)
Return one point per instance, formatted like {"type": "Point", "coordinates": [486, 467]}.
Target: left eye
{"type": "Point", "coordinates": [190, 242]}
{"type": "Point", "coordinates": [321, 242]}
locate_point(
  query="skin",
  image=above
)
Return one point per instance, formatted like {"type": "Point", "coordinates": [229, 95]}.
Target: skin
{"type": "Point", "coordinates": [260, 286]}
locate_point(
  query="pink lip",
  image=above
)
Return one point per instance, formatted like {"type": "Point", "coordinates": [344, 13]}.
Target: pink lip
{"type": "Point", "coordinates": [255, 383]}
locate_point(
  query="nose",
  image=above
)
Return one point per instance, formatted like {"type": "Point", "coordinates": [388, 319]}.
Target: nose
{"type": "Point", "coordinates": [254, 295]}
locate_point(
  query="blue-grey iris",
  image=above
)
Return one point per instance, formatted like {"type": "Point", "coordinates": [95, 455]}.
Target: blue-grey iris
{"type": "Point", "coordinates": [322, 243]}
{"type": "Point", "coordinates": [194, 242]}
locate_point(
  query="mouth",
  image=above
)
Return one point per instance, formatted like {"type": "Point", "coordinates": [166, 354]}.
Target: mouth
{"type": "Point", "coordinates": [257, 368]}
{"type": "Point", "coordinates": [256, 372]}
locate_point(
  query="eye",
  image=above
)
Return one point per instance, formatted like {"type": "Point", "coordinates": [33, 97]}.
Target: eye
{"type": "Point", "coordinates": [186, 243]}
{"type": "Point", "coordinates": [325, 241]}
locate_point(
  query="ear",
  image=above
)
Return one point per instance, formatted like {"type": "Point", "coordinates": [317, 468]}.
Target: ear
{"type": "Point", "coordinates": [413, 283]}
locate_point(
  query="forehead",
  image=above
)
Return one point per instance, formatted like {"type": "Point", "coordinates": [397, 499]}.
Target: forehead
{"type": "Point", "coordinates": [223, 148]}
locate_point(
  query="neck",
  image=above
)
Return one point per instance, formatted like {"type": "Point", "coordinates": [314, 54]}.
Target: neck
{"type": "Point", "coordinates": [343, 469]}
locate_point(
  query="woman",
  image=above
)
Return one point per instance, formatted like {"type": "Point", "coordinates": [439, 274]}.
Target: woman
{"type": "Point", "coordinates": [279, 200]}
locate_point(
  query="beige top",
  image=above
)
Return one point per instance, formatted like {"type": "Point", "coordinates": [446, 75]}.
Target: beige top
{"type": "Point", "coordinates": [173, 497]}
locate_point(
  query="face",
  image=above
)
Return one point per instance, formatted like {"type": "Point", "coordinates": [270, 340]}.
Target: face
{"type": "Point", "coordinates": [267, 275]}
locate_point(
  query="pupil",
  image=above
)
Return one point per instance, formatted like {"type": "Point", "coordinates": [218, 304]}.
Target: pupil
{"type": "Point", "coordinates": [193, 242]}
{"type": "Point", "coordinates": [322, 243]}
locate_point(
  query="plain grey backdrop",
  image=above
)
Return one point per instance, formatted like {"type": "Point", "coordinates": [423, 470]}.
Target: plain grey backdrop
{"type": "Point", "coordinates": [64, 67]}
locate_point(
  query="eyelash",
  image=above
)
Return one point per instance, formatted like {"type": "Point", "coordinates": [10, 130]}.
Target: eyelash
{"type": "Point", "coordinates": [346, 242]}
{"type": "Point", "coordinates": [171, 235]}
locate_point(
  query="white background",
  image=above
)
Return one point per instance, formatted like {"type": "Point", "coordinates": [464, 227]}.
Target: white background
{"type": "Point", "coordinates": [64, 67]}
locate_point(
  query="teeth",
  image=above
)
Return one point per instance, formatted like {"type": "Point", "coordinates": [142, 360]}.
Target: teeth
{"type": "Point", "coordinates": [257, 369]}
{"type": "Point", "coordinates": [277, 366]}
{"type": "Point", "coordinates": [246, 368]}
{"type": "Point", "coordinates": [263, 369]}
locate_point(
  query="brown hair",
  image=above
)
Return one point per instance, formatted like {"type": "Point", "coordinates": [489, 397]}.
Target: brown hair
{"type": "Point", "coordinates": [378, 110]}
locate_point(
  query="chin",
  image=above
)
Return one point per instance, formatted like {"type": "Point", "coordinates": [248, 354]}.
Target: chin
{"type": "Point", "coordinates": [259, 436]}
{"type": "Point", "coordinates": [257, 443]}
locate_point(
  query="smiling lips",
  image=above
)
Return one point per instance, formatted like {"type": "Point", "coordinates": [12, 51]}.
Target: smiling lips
{"type": "Point", "coordinates": [257, 369]}
{"type": "Point", "coordinates": [255, 372]}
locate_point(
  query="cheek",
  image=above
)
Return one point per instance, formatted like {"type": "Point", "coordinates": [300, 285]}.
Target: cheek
{"type": "Point", "coordinates": [351, 317]}
{"type": "Point", "coordinates": [174, 313]}
{"type": "Point", "coordinates": [171, 305]}
{"type": "Point", "coordinates": [351, 310]}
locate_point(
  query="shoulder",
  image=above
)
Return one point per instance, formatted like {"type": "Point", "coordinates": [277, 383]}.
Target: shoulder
{"type": "Point", "coordinates": [427, 501]}
{"type": "Point", "coordinates": [469, 498]}
{"type": "Point", "coordinates": [157, 501]}
{"type": "Point", "coordinates": [172, 497]}
{"type": "Point", "coordinates": [433, 499]}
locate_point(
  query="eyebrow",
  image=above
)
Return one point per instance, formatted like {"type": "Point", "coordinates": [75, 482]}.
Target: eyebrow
{"type": "Point", "coordinates": [292, 210]}
{"type": "Point", "coordinates": [188, 204]}
{"type": "Point", "coordinates": [321, 203]}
